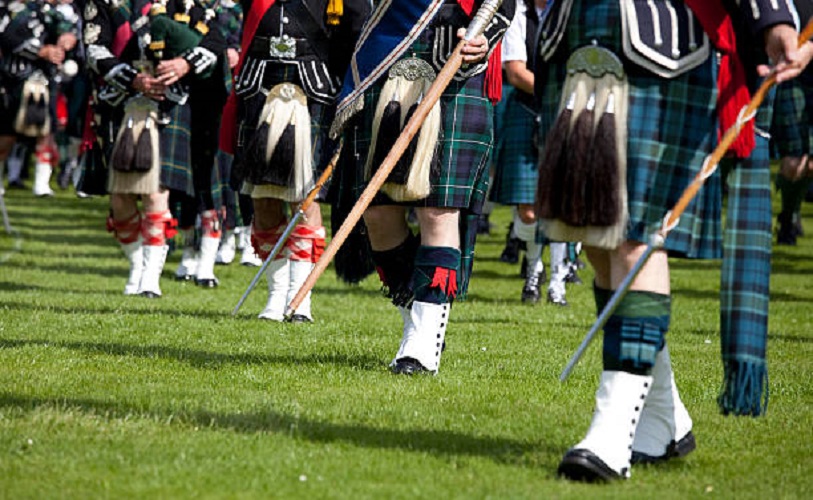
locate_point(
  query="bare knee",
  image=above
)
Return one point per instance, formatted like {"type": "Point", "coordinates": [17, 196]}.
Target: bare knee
{"type": "Point", "coordinates": [526, 213]}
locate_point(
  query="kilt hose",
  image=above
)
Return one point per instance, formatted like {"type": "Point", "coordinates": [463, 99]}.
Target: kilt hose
{"type": "Point", "coordinates": [662, 159]}
{"type": "Point", "coordinates": [515, 156]}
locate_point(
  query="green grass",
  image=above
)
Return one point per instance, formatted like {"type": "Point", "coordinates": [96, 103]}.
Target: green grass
{"type": "Point", "coordinates": [106, 396]}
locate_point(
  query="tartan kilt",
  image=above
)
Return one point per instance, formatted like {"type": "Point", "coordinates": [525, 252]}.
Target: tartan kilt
{"type": "Point", "coordinates": [176, 156]}
{"type": "Point", "coordinates": [248, 115]}
{"type": "Point", "coordinates": [792, 127]}
{"type": "Point", "coordinates": [463, 149]}
{"type": "Point", "coordinates": [515, 157]}
{"type": "Point", "coordinates": [672, 127]}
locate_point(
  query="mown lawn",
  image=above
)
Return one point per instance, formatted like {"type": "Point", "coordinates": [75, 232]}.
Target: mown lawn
{"type": "Point", "coordinates": [106, 396]}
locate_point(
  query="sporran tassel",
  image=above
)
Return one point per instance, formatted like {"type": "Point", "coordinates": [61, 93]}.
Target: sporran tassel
{"type": "Point", "coordinates": [573, 203]}
{"type": "Point", "coordinates": [551, 167]}
{"type": "Point", "coordinates": [144, 149]}
{"type": "Point", "coordinates": [124, 151]}
{"type": "Point", "coordinates": [387, 132]}
{"type": "Point", "coordinates": [254, 158]}
{"type": "Point", "coordinates": [602, 179]}
{"type": "Point", "coordinates": [279, 168]}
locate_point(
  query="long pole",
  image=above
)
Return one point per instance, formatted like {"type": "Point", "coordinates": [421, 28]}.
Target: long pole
{"type": "Point", "coordinates": [300, 213]}
{"type": "Point", "coordinates": [476, 27]}
{"type": "Point", "coordinates": [672, 217]}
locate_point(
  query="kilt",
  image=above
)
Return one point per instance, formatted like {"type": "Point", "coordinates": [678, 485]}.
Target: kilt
{"type": "Point", "coordinates": [792, 127]}
{"type": "Point", "coordinates": [248, 115]}
{"type": "Point", "coordinates": [515, 157]}
{"type": "Point", "coordinates": [10, 94]}
{"type": "Point", "coordinates": [176, 156]}
{"type": "Point", "coordinates": [672, 127]}
{"type": "Point", "coordinates": [175, 153]}
{"type": "Point", "coordinates": [463, 149]}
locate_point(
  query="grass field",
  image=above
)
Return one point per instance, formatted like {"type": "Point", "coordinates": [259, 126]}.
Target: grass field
{"type": "Point", "coordinates": [107, 396]}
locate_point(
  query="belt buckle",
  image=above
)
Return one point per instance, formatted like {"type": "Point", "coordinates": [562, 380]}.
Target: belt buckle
{"type": "Point", "coordinates": [283, 47]}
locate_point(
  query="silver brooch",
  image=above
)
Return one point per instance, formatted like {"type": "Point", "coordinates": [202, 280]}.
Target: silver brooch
{"type": "Point", "coordinates": [412, 69]}
{"type": "Point", "coordinates": [283, 47]}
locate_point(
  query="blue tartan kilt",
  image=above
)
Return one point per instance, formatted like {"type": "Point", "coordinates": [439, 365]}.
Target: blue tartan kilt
{"type": "Point", "coordinates": [792, 127]}
{"type": "Point", "coordinates": [463, 149]}
{"type": "Point", "coordinates": [249, 110]}
{"type": "Point", "coordinates": [672, 127]}
{"type": "Point", "coordinates": [515, 157]}
{"type": "Point", "coordinates": [176, 156]}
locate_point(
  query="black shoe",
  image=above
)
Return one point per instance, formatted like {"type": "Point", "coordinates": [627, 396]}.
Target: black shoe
{"type": "Point", "coordinates": [185, 277]}
{"type": "Point", "coordinates": [573, 277]}
{"type": "Point", "coordinates": [584, 465]}
{"type": "Point", "coordinates": [17, 184]}
{"type": "Point", "coordinates": [207, 283]}
{"type": "Point", "coordinates": [150, 295]}
{"type": "Point", "coordinates": [510, 254]}
{"type": "Point", "coordinates": [559, 301]}
{"type": "Point", "coordinates": [686, 445]}
{"type": "Point", "coordinates": [785, 235]}
{"type": "Point", "coordinates": [483, 225]}
{"type": "Point", "coordinates": [408, 366]}
{"type": "Point", "coordinates": [530, 291]}
{"type": "Point", "coordinates": [300, 318]}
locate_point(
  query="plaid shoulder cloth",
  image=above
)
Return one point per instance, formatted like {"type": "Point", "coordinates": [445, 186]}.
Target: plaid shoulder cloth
{"type": "Point", "coordinates": [389, 32]}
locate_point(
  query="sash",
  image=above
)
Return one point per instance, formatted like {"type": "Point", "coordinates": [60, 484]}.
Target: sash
{"type": "Point", "coordinates": [389, 32]}
{"type": "Point", "coordinates": [733, 94]}
{"type": "Point", "coordinates": [228, 123]}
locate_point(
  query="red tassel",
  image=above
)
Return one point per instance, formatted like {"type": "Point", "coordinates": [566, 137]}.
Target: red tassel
{"type": "Point", "coordinates": [440, 279]}
{"type": "Point", "coordinates": [452, 283]}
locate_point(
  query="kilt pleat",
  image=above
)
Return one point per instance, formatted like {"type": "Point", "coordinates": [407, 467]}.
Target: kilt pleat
{"type": "Point", "coordinates": [515, 158]}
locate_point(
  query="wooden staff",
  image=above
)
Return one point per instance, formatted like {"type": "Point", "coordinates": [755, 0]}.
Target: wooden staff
{"type": "Point", "coordinates": [657, 239]}
{"type": "Point", "coordinates": [475, 28]}
{"type": "Point", "coordinates": [300, 213]}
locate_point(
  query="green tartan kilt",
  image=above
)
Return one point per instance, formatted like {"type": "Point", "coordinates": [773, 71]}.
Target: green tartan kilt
{"type": "Point", "coordinates": [515, 157]}
{"type": "Point", "coordinates": [176, 156]}
{"type": "Point", "coordinates": [461, 181]}
{"type": "Point", "coordinates": [792, 127]}
{"type": "Point", "coordinates": [248, 113]}
{"type": "Point", "coordinates": [672, 127]}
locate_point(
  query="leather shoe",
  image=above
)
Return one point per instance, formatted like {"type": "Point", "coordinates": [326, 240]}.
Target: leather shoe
{"type": "Point", "coordinates": [683, 447]}
{"type": "Point", "coordinates": [584, 465]}
{"type": "Point", "coordinates": [408, 366]}
{"type": "Point", "coordinates": [207, 283]}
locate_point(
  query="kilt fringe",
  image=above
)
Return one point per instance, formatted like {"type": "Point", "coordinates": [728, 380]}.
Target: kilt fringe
{"type": "Point", "coordinates": [572, 162]}
{"type": "Point", "coordinates": [745, 387]}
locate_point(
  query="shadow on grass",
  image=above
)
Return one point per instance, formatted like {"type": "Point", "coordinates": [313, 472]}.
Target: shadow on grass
{"type": "Point", "coordinates": [122, 309]}
{"type": "Point", "coordinates": [205, 359]}
{"type": "Point", "coordinates": [435, 441]}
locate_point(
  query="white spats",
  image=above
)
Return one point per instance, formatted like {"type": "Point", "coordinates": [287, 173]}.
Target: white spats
{"type": "Point", "coordinates": [298, 274]}
{"type": "Point", "coordinates": [619, 402]}
{"type": "Point", "coordinates": [228, 248]}
{"type": "Point", "coordinates": [42, 178]}
{"type": "Point", "coordinates": [423, 336]}
{"type": "Point", "coordinates": [188, 267]}
{"type": "Point", "coordinates": [154, 258]}
{"type": "Point", "coordinates": [664, 419]}
{"type": "Point", "coordinates": [206, 259]}
{"type": "Point", "coordinates": [278, 274]}
{"type": "Point", "coordinates": [135, 256]}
